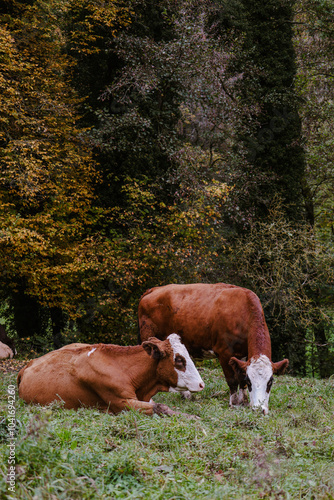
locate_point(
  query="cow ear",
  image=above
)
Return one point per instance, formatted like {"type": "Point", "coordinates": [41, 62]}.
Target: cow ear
{"type": "Point", "coordinates": [280, 367]}
{"type": "Point", "coordinates": [238, 365]}
{"type": "Point", "coordinates": [153, 348]}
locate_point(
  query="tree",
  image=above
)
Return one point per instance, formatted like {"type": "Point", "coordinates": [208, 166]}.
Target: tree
{"type": "Point", "coordinates": [154, 106]}
{"type": "Point", "coordinates": [292, 273]}
{"type": "Point", "coordinates": [314, 48]}
{"type": "Point", "coordinates": [47, 173]}
{"type": "Point", "coordinates": [268, 161]}
{"type": "Point", "coordinates": [62, 257]}
{"type": "Point", "coordinates": [143, 144]}
{"type": "Point", "coordinates": [270, 136]}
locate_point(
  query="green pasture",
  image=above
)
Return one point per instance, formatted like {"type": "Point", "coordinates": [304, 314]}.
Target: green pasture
{"type": "Point", "coordinates": [223, 454]}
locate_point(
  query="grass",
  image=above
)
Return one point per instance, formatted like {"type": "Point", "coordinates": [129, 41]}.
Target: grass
{"type": "Point", "coordinates": [226, 453]}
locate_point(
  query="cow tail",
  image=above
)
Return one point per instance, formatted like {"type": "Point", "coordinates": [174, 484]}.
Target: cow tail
{"type": "Point", "coordinates": [19, 377]}
{"type": "Point", "coordinates": [21, 372]}
{"type": "Point", "coordinates": [145, 293]}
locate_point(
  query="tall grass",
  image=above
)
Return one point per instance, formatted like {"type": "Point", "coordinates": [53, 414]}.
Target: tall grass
{"type": "Point", "coordinates": [225, 453]}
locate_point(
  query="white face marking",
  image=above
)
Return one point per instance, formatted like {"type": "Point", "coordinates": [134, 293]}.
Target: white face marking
{"type": "Point", "coordinates": [91, 352]}
{"type": "Point", "coordinates": [260, 372]}
{"type": "Point", "coordinates": [189, 379]}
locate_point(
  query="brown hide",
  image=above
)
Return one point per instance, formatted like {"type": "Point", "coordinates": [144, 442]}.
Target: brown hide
{"type": "Point", "coordinates": [110, 377]}
{"type": "Point", "coordinates": [222, 318]}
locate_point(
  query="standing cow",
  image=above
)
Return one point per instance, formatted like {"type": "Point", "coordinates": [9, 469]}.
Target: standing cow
{"type": "Point", "coordinates": [113, 378]}
{"type": "Point", "coordinates": [223, 320]}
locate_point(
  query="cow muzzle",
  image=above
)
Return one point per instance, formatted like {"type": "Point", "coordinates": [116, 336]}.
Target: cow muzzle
{"type": "Point", "coordinates": [191, 387]}
{"type": "Point", "coordinates": [199, 388]}
{"type": "Point", "coordinates": [264, 409]}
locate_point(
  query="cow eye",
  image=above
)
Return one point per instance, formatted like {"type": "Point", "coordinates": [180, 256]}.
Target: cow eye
{"type": "Point", "coordinates": [270, 383]}
{"type": "Point", "coordinates": [180, 362]}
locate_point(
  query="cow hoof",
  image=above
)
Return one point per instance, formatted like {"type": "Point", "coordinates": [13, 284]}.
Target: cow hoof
{"type": "Point", "coordinates": [161, 409]}
{"type": "Point", "coordinates": [234, 400]}
{"type": "Point", "coordinates": [239, 398]}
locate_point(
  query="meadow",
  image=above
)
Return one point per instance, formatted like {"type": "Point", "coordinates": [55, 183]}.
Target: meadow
{"type": "Point", "coordinates": [222, 454]}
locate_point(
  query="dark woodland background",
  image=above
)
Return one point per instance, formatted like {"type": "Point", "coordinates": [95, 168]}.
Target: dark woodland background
{"type": "Point", "coordinates": [172, 141]}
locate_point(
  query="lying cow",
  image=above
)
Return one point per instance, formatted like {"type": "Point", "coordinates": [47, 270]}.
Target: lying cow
{"type": "Point", "coordinates": [110, 377]}
{"type": "Point", "coordinates": [222, 320]}
{"type": "Point", "coordinates": [7, 347]}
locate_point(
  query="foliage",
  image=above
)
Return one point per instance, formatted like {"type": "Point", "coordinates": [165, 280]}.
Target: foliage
{"type": "Point", "coordinates": [149, 244]}
{"type": "Point", "coordinates": [47, 174]}
{"type": "Point", "coordinates": [270, 134]}
{"type": "Point", "coordinates": [89, 29]}
{"type": "Point", "coordinates": [314, 48]}
{"type": "Point", "coordinates": [148, 237]}
{"type": "Point", "coordinates": [170, 87]}
{"type": "Point", "coordinates": [126, 133]}
{"type": "Point", "coordinates": [89, 21]}
{"type": "Point", "coordinates": [142, 140]}
{"type": "Point", "coordinates": [225, 453]}
{"type": "Point", "coordinates": [293, 275]}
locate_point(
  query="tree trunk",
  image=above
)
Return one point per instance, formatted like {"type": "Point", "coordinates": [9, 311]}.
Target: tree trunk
{"type": "Point", "coordinates": [58, 324]}
{"type": "Point", "coordinates": [325, 357]}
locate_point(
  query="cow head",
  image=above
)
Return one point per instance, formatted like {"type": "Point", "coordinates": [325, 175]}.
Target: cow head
{"type": "Point", "coordinates": [177, 368]}
{"type": "Point", "coordinates": [258, 374]}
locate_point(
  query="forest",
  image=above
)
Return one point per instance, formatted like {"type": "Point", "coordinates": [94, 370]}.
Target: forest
{"type": "Point", "coordinates": [147, 142]}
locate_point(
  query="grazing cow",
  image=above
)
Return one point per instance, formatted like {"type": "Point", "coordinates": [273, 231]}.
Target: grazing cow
{"type": "Point", "coordinates": [110, 377]}
{"type": "Point", "coordinates": [7, 347]}
{"type": "Point", "coordinates": [222, 320]}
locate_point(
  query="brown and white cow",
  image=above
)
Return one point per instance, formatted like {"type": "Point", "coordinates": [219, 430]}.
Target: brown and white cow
{"type": "Point", "coordinates": [113, 378]}
{"type": "Point", "coordinates": [219, 319]}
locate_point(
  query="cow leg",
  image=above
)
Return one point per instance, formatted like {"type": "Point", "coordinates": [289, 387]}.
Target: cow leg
{"type": "Point", "coordinates": [150, 408]}
{"type": "Point", "coordinates": [234, 396]}
{"type": "Point", "coordinates": [237, 398]}
{"type": "Point", "coordinates": [142, 406]}
{"type": "Point", "coordinates": [243, 395]}
{"type": "Point", "coordinates": [161, 409]}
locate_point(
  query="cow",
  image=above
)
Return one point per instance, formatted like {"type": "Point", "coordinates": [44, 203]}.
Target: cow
{"type": "Point", "coordinates": [219, 320]}
{"type": "Point", "coordinates": [7, 347]}
{"type": "Point", "coordinates": [110, 377]}
{"type": "Point", "coordinates": [5, 351]}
